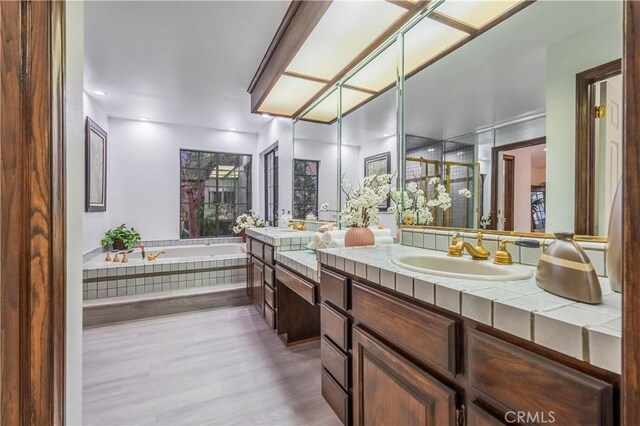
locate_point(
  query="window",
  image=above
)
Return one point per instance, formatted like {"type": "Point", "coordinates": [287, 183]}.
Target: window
{"type": "Point", "coordinates": [215, 188]}
{"type": "Point", "coordinates": [271, 186]}
{"type": "Point", "coordinates": [305, 188]}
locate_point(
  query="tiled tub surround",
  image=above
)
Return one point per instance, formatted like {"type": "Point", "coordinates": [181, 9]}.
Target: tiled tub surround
{"type": "Point", "coordinates": [441, 239]}
{"type": "Point", "coordinates": [304, 262]}
{"type": "Point", "coordinates": [199, 269]}
{"type": "Point", "coordinates": [591, 333]}
{"type": "Point", "coordinates": [171, 243]}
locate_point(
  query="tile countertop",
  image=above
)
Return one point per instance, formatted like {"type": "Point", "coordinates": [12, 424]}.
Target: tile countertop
{"type": "Point", "coordinates": [304, 262]}
{"type": "Point", "coordinates": [283, 239]}
{"type": "Point", "coordinates": [591, 333]}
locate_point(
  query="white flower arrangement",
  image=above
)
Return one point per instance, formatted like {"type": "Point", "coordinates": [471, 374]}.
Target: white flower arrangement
{"type": "Point", "coordinates": [418, 210]}
{"type": "Point", "coordinates": [248, 220]}
{"type": "Point", "coordinates": [485, 220]}
{"type": "Point", "coordinates": [361, 206]}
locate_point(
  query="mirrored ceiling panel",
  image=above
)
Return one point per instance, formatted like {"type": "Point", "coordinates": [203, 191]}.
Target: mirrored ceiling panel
{"type": "Point", "coordinates": [343, 33]}
{"type": "Point", "coordinates": [288, 94]}
{"type": "Point", "coordinates": [476, 13]}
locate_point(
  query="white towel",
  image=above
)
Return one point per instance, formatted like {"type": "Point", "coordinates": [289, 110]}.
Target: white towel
{"type": "Point", "coordinates": [381, 232]}
{"type": "Point", "coordinates": [315, 239]}
{"type": "Point", "coordinates": [326, 237]}
{"type": "Point", "coordinates": [337, 233]}
{"type": "Point", "coordinates": [382, 241]}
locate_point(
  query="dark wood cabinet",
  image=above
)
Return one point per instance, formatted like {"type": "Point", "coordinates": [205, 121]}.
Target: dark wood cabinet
{"type": "Point", "coordinates": [388, 389]}
{"type": "Point", "coordinates": [388, 359]}
{"type": "Point", "coordinates": [257, 286]}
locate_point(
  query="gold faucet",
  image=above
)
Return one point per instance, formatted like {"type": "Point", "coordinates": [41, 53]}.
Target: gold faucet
{"type": "Point", "coordinates": [297, 226]}
{"type": "Point", "coordinates": [478, 252]}
{"type": "Point", "coordinates": [503, 257]}
{"type": "Point", "coordinates": [154, 256]}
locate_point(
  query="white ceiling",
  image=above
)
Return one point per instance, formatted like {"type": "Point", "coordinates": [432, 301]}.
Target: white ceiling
{"type": "Point", "coordinates": [179, 62]}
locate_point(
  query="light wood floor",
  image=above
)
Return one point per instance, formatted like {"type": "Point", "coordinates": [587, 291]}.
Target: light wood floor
{"type": "Point", "coordinates": [220, 367]}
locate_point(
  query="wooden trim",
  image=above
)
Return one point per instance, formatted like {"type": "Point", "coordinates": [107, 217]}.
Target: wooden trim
{"type": "Point", "coordinates": [305, 77]}
{"type": "Point", "coordinates": [299, 21]}
{"type": "Point", "coordinates": [32, 222]}
{"type": "Point", "coordinates": [495, 152]}
{"type": "Point", "coordinates": [405, 4]}
{"type": "Point", "coordinates": [630, 393]}
{"type": "Point", "coordinates": [453, 23]}
{"type": "Point", "coordinates": [586, 144]}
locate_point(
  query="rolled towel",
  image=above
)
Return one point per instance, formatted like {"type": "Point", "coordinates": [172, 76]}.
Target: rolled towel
{"type": "Point", "coordinates": [326, 237]}
{"type": "Point", "coordinates": [382, 241]}
{"type": "Point", "coordinates": [315, 239]}
{"type": "Point", "coordinates": [381, 232]}
{"type": "Point", "coordinates": [336, 244]}
{"type": "Point", "coordinates": [337, 233]}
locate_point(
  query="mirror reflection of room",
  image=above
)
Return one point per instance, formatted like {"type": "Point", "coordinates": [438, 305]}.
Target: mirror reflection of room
{"type": "Point", "coordinates": [501, 117]}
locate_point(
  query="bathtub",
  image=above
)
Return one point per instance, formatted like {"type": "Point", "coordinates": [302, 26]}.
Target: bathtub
{"type": "Point", "coordinates": [180, 267]}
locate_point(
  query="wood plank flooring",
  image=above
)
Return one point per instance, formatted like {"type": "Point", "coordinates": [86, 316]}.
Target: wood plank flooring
{"type": "Point", "coordinates": [215, 367]}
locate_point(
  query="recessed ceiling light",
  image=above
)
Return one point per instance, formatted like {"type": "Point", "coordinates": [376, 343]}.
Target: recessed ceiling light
{"type": "Point", "coordinates": [233, 129]}
{"type": "Point", "coordinates": [386, 135]}
{"type": "Point", "coordinates": [431, 149]}
{"type": "Point", "coordinates": [483, 159]}
{"type": "Point", "coordinates": [545, 149]}
{"type": "Point", "coordinates": [99, 93]}
{"type": "Point", "coordinates": [143, 118]}
{"type": "Point", "coordinates": [266, 115]}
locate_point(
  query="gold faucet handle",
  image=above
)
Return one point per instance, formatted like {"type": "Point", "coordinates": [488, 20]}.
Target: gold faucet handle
{"type": "Point", "coordinates": [454, 239]}
{"type": "Point", "coordinates": [479, 239]}
{"type": "Point", "coordinates": [503, 257]}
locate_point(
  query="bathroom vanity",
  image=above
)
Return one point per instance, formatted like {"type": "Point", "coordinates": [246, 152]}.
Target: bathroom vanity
{"type": "Point", "coordinates": [392, 355]}
{"type": "Point", "coordinates": [282, 288]}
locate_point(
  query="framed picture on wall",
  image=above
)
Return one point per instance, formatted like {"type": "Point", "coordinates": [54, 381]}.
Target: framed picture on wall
{"type": "Point", "coordinates": [378, 164]}
{"type": "Point", "coordinates": [95, 167]}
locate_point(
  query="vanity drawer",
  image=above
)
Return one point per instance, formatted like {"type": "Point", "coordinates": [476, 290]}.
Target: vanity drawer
{"type": "Point", "coordinates": [336, 397]}
{"type": "Point", "coordinates": [270, 316]}
{"type": "Point", "coordinates": [268, 254]}
{"type": "Point", "coordinates": [302, 288]}
{"type": "Point", "coordinates": [423, 334]}
{"type": "Point", "coordinates": [333, 288]}
{"type": "Point", "coordinates": [335, 326]}
{"type": "Point", "coordinates": [525, 381]}
{"type": "Point", "coordinates": [335, 362]}
{"type": "Point", "coordinates": [269, 296]}
{"type": "Point", "coordinates": [256, 249]}
{"type": "Point", "coordinates": [269, 277]}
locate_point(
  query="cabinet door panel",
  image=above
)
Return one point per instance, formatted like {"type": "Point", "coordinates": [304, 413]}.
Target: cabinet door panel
{"type": "Point", "coordinates": [258, 285]}
{"type": "Point", "coordinates": [526, 382]}
{"type": "Point", "coordinates": [390, 390]}
{"type": "Point", "coordinates": [476, 416]}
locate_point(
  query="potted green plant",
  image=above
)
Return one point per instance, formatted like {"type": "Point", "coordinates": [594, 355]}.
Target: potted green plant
{"type": "Point", "coordinates": [120, 238]}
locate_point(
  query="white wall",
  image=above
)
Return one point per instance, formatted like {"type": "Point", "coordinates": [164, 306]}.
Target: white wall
{"type": "Point", "coordinates": [327, 154]}
{"type": "Point", "coordinates": [144, 171]}
{"type": "Point", "coordinates": [567, 58]}
{"type": "Point", "coordinates": [95, 224]}
{"type": "Point", "coordinates": [278, 131]}
{"type": "Point", "coordinates": [74, 141]}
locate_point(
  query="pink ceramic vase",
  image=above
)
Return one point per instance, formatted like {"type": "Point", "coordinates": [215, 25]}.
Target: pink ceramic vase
{"type": "Point", "coordinates": [359, 237]}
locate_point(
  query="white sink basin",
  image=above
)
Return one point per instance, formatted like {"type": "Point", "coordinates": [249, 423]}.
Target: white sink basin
{"type": "Point", "coordinates": [462, 267]}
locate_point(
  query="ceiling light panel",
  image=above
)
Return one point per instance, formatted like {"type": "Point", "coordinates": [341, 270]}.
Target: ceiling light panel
{"type": "Point", "coordinates": [379, 73]}
{"type": "Point", "coordinates": [327, 110]}
{"type": "Point", "coordinates": [476, 13]}
{"type": "Point", "coordinates": [344, 31]}
{"type": "Point", "coordinates": [426, 40]}
{"type": "Point", "coordinates": [288, 94]}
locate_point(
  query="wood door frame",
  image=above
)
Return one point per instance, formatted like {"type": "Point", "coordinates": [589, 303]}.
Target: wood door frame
{"type": "Point", "coordinates": [630, 392]}
{"type": "Point", "coordinates": [32, 213]}
{"type": "Point", "coordinates": [585, 144]}
{"type": "Point", "coordinates": [495, 154]}
{"type": "Point", "coordinates": [512, 208]}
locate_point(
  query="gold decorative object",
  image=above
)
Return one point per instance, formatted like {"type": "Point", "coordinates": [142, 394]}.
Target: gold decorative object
{"type": "Point", "coordinates": [124, 258]}
{"type": "Point", "coordinates": [502, 256]}
{"type": "Point", "coordinates": [297, 226]}
{"type": "Point", "coordinates": [154, 256]}
{"type": "Point", "coordinates": [565, 270]}
{"type": "Point", "coordinates": [477, 253]}
{"type": "Point", "coordinates": [115, 258]}
{"type": "Point", "coordinates": [108, 258]}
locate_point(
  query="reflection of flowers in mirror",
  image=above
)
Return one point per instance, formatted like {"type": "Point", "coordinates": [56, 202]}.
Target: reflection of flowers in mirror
{"type": "Point", "coordinates": [485, 220]}
{"type": "Point", "coordinates": [412, 206]}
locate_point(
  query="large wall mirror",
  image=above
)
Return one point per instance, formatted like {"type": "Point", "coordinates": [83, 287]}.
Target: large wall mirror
{"type": "Point", "coordinates": [498, 116]}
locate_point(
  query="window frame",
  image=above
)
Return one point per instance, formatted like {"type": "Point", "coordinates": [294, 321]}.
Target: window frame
{"type": "Point", "coordinates": [276, 183]}
{"type": "Point", "coordinates": [317, 188]}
